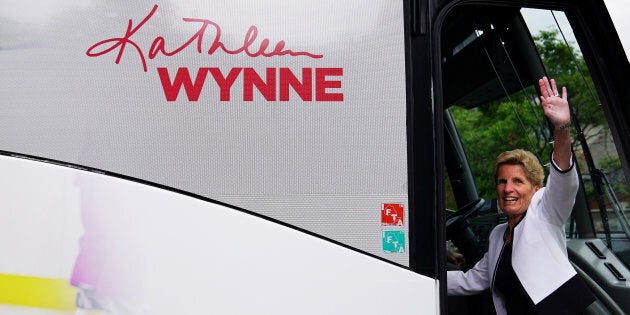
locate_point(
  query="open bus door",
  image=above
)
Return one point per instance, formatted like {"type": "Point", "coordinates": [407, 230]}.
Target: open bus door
{"type": "Point", "coordinates": [489, 62]}
{"type": "Point", "coordinates": [242, 157]}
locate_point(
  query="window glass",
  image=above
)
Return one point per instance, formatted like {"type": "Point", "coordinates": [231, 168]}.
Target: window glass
{"type": "Point", "coordinates": [514, 119]}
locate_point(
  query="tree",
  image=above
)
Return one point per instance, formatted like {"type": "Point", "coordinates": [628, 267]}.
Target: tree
{"type": "Point", "coordinates": [517, 121]}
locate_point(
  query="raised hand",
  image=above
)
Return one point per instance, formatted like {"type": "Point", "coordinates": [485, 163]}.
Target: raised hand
{"type": "Point", "coordinates": [555, 106]}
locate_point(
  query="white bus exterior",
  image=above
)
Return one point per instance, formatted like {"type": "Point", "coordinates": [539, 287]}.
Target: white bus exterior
{"type": "Point", "coordinates": [227, 157]}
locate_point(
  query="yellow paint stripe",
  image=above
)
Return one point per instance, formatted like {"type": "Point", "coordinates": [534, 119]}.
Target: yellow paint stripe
{"type": "Point", "coordinates": [48, 293]}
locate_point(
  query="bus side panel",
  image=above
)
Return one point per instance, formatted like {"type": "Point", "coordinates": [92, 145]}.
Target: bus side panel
{"type": "Point", "coordinates": [271, 106]}
{"type": "Point", "coordinates": [165, 253]}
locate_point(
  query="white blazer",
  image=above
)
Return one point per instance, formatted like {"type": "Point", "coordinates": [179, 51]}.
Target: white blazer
{"type": "Point", "coordinates": [539, 252]}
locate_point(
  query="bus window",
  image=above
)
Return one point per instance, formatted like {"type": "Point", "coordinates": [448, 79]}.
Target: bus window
{"type": "Point", "coordinates": [515, 121]}
{"type": "Point", "coordinates": [561, 54]}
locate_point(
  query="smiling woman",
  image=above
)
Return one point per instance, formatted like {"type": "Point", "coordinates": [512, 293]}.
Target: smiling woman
{"type": "Point", "coordinates": [497, 109]}
{"type": "Point", "coordinates": [520, 271]}
{"type": "Point", "coordinates": [518, 175]}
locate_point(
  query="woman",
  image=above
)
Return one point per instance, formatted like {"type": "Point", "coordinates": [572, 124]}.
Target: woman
{"type": "Point", "coordinates": [526, 266]}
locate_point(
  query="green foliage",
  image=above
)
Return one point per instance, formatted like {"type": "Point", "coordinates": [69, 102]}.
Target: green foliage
{"type": "Point", "coordinates": [493, 129]}
{"type": "Point", "coordinates": [567, 66]}
{"type": "Point", "coordinates": [610, 163]}
{"type": "Point", "coordinates": [518, 122]}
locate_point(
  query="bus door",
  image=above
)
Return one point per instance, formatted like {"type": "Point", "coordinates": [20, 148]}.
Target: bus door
{"type": "Point", "coordinates": [491, 58]}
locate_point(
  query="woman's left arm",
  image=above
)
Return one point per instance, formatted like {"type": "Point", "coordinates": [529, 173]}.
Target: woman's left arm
{"type": "Point", "coordinates": [556, 108]}
{"type": "Point", "coordinates": [562, 184]}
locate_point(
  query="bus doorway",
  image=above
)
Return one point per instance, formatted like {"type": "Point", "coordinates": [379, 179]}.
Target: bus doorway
{"type": "Point", "coordinates": [491, 58]}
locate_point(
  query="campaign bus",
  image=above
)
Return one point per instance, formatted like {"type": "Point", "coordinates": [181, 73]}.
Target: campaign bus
{"type": "Point", "coordinates": [293, 157]}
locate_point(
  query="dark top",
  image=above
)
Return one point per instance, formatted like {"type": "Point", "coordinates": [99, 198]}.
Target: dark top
{"type": "Point", "coordinates": [571, 298]}
{"type": "Point", "coordinates": [517, 301]}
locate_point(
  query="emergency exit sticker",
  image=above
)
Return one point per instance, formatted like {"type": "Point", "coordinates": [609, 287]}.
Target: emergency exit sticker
{"type": "Point", "coordinates": [394, 242]}
{"type": "Point", "coordinates": [393, 214]}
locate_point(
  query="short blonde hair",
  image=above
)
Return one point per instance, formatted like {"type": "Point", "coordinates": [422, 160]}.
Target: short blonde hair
{"type": "Point", "coordinates": [533, 170]}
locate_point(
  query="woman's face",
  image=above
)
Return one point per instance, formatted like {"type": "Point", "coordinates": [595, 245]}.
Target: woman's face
{"type": "Point", "coordinates": [514, 190]}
